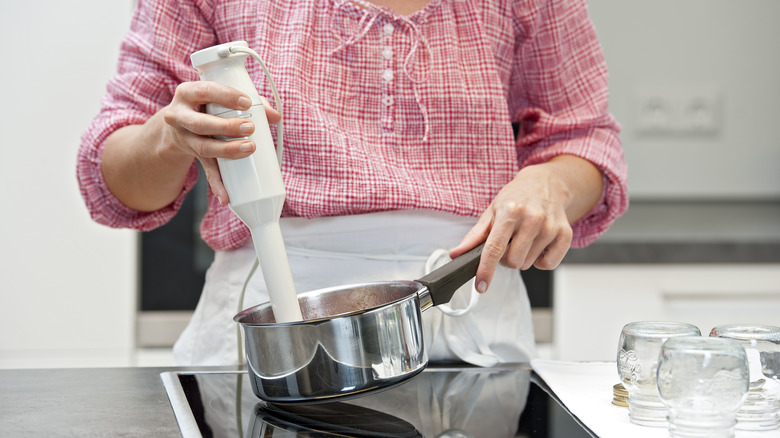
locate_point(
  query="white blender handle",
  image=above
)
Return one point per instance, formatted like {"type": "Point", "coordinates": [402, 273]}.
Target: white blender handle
{"type": "Point", "coordinates": [257, 176]}
{"type": "Point", "coordinates": [254, 183]}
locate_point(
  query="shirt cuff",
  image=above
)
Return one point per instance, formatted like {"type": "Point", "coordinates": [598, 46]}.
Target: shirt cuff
{"type": "Point", "coordinates": [102, 205]}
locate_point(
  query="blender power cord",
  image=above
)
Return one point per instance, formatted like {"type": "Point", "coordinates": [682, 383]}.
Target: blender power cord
{"type": "Point", "coordinates": [240, 308]}
{"type": "Point", "coordinates": [239, 347]}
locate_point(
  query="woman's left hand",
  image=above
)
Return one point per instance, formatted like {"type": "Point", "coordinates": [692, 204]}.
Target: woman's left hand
{"type": "Point", "coordinates": [528, 223]}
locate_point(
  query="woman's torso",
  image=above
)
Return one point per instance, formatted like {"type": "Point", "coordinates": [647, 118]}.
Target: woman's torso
{"type": "Point", "coordinates": [382, 111]}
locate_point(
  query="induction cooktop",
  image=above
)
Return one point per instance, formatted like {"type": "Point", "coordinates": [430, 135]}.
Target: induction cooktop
{"type": "Point", "coordinates": [440, 402]}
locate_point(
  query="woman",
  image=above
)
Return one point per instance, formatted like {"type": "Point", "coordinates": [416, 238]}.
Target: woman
{"type": "Point", "coordinates": [398, 136]}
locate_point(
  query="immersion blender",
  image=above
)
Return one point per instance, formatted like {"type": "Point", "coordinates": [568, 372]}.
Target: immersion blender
{"type": "Point", "coordinates": [254, 183]}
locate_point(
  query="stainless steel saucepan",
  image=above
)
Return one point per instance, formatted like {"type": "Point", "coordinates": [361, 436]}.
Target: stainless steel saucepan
{"type": "Point", "coordinates": [353, 339]}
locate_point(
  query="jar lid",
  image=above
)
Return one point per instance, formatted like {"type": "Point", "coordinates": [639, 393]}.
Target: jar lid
{"type": "Point", "coordinates": [745, 332]}
{"type": "Point", "coordinates": [620, 396]}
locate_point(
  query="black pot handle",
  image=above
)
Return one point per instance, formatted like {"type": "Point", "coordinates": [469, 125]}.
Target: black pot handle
{"type": "Point", "coordinates": [444, 281]}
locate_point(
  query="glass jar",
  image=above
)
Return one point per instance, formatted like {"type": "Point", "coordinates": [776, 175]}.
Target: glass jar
{"type": "Point", "coordinates": [703, 381]}
{"type": "Point", "coordinates": [761, 409]}
{"type": "Point", "coordinates": [637, 361]}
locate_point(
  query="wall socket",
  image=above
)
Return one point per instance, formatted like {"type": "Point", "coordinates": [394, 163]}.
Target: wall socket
{"type": "Point", "coordinates": [680, 111]}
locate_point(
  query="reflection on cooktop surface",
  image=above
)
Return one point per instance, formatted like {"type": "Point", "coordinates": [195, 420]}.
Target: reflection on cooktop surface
{"type": "Point", "coordinates": [340, 419]}
{"type": "Point", "coordinates": [439, 402]}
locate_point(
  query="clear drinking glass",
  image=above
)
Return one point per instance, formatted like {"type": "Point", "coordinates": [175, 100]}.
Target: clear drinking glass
{"type": "Point", "coordinates": [761, 409]}
{"type": "Point", "coordinates": [637, 361]}
{"type": "Point", "coordinates": [703, 381]}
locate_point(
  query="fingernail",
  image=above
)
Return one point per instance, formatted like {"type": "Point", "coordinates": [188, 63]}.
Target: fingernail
{"type": "Point", "coordinates": [244, 102]}
{"type": "Point", "coordinates": [247, 146]}
{"type": "Point", "coordinates": [481, 287]}
{"type": "Point", "coordinates": [246, 128]}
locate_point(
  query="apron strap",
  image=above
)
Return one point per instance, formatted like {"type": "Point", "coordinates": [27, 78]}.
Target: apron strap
{"type": "Point", "coordinates": [466, 329]}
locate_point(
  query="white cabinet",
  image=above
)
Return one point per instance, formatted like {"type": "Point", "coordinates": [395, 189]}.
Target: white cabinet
{"type": "Point", "coordinates": [592, 302]}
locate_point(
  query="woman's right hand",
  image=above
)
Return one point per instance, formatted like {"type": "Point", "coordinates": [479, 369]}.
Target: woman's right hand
{"type": "Point", "coordinates": [146, 166]}
{"type": "Point", "coordinates": [191, 131]}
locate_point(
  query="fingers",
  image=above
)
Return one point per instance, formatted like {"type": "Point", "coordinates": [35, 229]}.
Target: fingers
{"type": "Point", "coordinates": [496, 243]}
{"type": "Point", "coordinates": [517, 236]}
{"type": "Point", "coordinates": [188, 121]}
{"type": "Point", "coordinates": [553, 254]}
{"type": "Point", "coordinates": [214, 178]}
{"type": "Point", "coordinates": [540, 241]}
{"type": "Point", "coordinates": [273, 115]}
{"type": "Point", "coordinates": [546, 251]}
{"type": "Point", "coordinates": [474, 237]}
{"type": "Point", "coordinates": [199, 93]}
{"type": "Point", "coordinates": [206, 136]}
{"type": "Point", "coordinates": [495, 238]}
{"type": "Point", "coordinates": [193, 129]}
{"type": "Point", "coordinates": [185, 116]}
{"type": "Point", "coordinates": [203, 146]}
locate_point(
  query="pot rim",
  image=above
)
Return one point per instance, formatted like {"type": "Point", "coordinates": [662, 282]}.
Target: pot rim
{"type": "Point", "coordinates": [419, 288]}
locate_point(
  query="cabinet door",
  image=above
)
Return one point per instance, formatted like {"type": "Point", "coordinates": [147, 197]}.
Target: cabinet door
{"type": "Point", "coordinates": [591, 303]}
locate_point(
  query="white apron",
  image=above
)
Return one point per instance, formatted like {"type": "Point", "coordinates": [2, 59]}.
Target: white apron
{"type": "Point", "coordinates": [482, 330]}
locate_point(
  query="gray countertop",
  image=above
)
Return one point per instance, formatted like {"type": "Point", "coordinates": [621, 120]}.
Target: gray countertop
{"type": "Point", "coordinates": [85, 402]}
{"type": "Point", "coordinates": [689, 232]}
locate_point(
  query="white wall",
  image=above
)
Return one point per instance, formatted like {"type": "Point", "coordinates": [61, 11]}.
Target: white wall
{"type": "Point", "coordinates": [67, 285]}
{"type": "Point", "coordinates": [722, 54]}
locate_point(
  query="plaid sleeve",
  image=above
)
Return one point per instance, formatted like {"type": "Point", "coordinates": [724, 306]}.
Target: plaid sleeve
{"type": "Point", "coordinates": [153, 60]}
{"type": "Point", "coordinates": [560, 101]}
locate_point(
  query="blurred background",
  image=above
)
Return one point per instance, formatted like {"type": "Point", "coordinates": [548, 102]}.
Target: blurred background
{"type": "Point", "coordinates": [694, 85]}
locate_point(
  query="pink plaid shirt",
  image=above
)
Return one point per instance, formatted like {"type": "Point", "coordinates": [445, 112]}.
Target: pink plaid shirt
{"type": "Point", "coordinates": [381, 111]}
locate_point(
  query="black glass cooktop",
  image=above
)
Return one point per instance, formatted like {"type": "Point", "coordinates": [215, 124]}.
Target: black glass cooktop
{"type": "Point", "coordinates": [455, 402]}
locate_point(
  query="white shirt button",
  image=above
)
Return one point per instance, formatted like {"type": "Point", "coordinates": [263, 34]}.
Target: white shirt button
{"type": "Point", "coordinates": [387, 75]}
{"type": "Point", "coordinates": [387, 52]}
{"type": "Point", "coordinates": [387, 100]}
{"type": "Point", "coordinates": [388, 29]}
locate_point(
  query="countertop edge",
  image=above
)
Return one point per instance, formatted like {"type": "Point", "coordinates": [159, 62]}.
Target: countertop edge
{"type": "Point", "coordinates": [675, 252]}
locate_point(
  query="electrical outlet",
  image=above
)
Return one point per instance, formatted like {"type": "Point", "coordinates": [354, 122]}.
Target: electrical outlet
{"type": "Point", "coordinates": [700, 113]}
{"type": "Point", "coordinates": [655, 113]}
{"type": "Point", "coordinates": [679, 110]}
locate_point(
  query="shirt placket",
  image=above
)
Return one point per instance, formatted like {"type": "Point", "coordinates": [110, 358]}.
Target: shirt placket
{"type": "Point", "coordinates": [387, 78]}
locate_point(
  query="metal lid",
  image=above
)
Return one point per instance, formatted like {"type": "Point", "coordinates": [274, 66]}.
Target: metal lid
{"type": "Point", "coordinates": [619, 396]}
